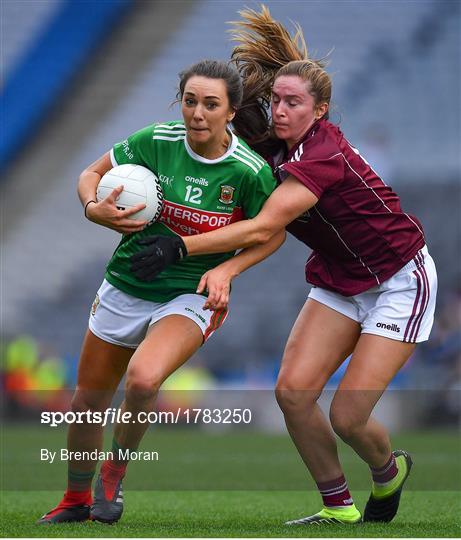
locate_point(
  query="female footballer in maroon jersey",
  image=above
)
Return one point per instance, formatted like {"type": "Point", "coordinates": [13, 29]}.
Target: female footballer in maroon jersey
{"type": "Point", "coordinates": [374, 283]}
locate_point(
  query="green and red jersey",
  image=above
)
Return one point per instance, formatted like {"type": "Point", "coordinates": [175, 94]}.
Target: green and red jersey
{"type": "Point", "coordinates": [200, 195]}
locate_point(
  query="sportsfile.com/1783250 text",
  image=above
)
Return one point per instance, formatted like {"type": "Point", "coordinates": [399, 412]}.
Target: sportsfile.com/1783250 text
{"type": "Point", "coordinates": [181, 415]}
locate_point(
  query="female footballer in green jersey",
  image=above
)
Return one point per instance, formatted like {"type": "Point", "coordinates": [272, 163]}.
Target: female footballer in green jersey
{"type": "Point", "coordinates": [148, 329]}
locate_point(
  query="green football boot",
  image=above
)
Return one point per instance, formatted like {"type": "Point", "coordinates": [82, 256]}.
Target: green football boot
{"type": "Point", "coordinates": [384, 500]}
{"type": "Point", "coordinates": [343, 515]}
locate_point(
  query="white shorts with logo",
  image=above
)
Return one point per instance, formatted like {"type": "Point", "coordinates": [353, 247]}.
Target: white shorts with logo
{"type": "Point", "coordinates": [122, 319]}
{"type": "Point", "coordinates": [401, 308]}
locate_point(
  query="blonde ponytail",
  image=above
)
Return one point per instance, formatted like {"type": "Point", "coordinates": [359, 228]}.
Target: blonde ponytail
{"type": "Point", "coordinates": [265, 50]}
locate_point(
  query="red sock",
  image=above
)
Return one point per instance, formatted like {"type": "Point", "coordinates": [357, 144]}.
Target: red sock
{"type": "Point", "coordinates": [335, 492]}
{"type": "Point", "coordinates": [76, 498]}
{"type": "Point", "coordinates": [111, 473]}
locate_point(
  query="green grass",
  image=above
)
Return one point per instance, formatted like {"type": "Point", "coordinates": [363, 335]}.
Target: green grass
{"type": "Point", "coordinates": [231, 514]}
{"type": "Point", "coordinates": [227, 484]}
{"type": "Point", "coordinates": [193, 459]}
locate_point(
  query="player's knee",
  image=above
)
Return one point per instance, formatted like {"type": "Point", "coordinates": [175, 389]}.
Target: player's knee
{"type": "Point", "coordinates": [89, 401]}
{"type": "Point", "coordinates": [290, 398]}
{"type": "Point", "coordinates": [139, 388]}
{"type": "Point", "coordinates": [345, 424]}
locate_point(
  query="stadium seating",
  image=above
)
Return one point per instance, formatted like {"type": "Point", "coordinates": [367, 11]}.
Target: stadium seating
{"type": "Point", "coordinates": [37, 79]}
{"type": "Point", "coordinates": [382, 74]}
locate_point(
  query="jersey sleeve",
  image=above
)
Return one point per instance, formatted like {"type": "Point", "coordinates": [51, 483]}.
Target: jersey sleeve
{"type": "Point", "coordinates": [317, 173]}
{"type": "Point", "coordinates": [137, 149]}
{"type": "Point", "coordinates": [256, 190]}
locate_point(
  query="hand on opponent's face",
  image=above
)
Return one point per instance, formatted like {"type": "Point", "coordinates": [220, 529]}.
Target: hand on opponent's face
{"type": "Point", "coordinates": [159, 253]}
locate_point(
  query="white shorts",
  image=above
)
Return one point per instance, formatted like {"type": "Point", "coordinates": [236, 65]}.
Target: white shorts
{"type": "Point", "coordinates": [401, 308]}
{"type": "Point", "coordinates": [122, 319]}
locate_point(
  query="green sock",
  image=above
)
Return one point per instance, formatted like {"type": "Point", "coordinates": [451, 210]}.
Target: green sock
{"type": "Point", "coordinates": [79, 481]}
{"type": "Point", "coordinates": [121, 454]}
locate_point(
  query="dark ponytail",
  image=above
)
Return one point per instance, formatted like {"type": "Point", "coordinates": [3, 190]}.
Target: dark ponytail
{"type": "Point", "coordinates": [249, 99]}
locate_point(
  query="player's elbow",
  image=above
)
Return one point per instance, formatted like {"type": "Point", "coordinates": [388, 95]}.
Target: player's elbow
{"type": "Point", "coordinates": [256, 231]}
{"type": "Point", "coordinates": [264, 234]}
{"type": "Point", "coordinates": [83, 177]}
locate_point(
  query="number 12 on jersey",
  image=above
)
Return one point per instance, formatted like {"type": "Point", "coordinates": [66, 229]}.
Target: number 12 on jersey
{"type": "Point", "coordinates": [193, 194]}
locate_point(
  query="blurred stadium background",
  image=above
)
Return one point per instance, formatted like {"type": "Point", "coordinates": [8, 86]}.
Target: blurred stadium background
{"type": "Point", "coordinates": [79, 76]}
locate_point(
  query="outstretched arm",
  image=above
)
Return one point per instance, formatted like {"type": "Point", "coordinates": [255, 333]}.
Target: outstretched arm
{"type": "Point", "coordinates": [218, 280]}
{"type": "Point", "coordinates": [285, 204]}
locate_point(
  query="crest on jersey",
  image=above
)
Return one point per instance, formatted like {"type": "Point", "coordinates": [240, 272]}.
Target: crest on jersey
{"type": "Point", "coordinates": [95, 305]}
{"type": "Point", "coordinates": [227, 194]}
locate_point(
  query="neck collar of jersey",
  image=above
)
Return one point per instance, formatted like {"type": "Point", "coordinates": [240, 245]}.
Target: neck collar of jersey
{"type": "Point", "coordinates": [309, 133]}
{"type": "Point", "coordinates": [198, 157]}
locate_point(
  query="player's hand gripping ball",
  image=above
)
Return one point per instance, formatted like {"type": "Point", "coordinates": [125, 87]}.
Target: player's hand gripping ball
{"type": "Point", "coordinates": [140, 186]}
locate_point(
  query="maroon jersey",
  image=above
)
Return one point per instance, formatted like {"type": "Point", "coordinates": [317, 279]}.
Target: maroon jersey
{"type": "Point", "coordinates": [358, 232]}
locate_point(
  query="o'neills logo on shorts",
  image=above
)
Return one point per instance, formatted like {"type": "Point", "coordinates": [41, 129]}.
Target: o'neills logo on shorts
{"type": "Point", "coordinates": [392, 327]}
{"type": "Point", "coordinates": [196, 314]}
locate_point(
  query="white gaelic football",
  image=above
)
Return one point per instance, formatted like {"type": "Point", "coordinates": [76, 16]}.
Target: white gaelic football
{"type": "Point", "coordinates": [140, 186]}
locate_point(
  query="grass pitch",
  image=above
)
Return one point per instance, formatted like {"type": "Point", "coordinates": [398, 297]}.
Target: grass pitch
{"type": "Point", "coordinates": [233, 484]}
{"type": "Point", "coordinates": [231, 514]}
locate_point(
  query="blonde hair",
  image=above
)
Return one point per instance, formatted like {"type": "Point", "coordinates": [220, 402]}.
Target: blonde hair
{"type": "Point", "coordinates": [265, 50]}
